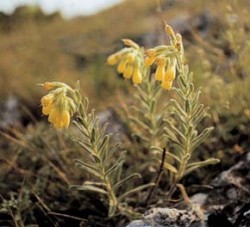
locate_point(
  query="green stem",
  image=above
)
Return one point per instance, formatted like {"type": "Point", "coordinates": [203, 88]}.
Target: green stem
{"type": "Point", "coordinates": [111, 194]}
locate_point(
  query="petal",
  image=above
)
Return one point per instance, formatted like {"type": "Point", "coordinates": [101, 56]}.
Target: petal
{"type": "Point", "coordinates": [53, 116]}
{"type": "Point", "coordinates": [65, 119]}
{"type": "Point", "coordinates": [47, 109]}
{"type": "Point", "coordinates": [128, 71]}
{"type": "Point", "coordinates": [137, 77]}
{"type": "Point", "coordinates": [170, 74]}
{"type": "Point", "coordinates": [159, 74]}
{"type": "Point", "coordinates": [121, 67]}
{"type": "Point", "coordinates": [167, 85]}
{"type": "Point", "coordinates": [112, 60]}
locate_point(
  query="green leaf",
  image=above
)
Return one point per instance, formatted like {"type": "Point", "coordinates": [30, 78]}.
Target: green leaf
{"type": "Point", "coordinates": [134, 190]}
{"type": "Point", "coordinates": [173, 156]}
{"type": "Point", "coordinates": [195, 165]}
{"type": "Point", "coordinates": [89, 188]}
{"type": "Point", "coordinates": [152, 106]}
{"type": "Point", "coordinates": [89, 168]}
{"type": "Point", "coordinates": [113, 168]}
{"type": "Point", "coordinates": [130, 177]}
{"type": "Point", "coordinates": [187, 106]}
{"type": "Point", "coordinates": [170, 168]}
{"type": "Point", "coordinates": [177, 131]}
{"type": "Point", "coordinates": [139, 122]}
{"type": "Point", "coordinates": [94, 183]}
{"type": "Point", "coordinates": [171, 135]}
{"type": "Point", "coordinates": [86, 146]}
{"type": "Point", "coordinates": [178, 107]}
{"type": "Point", "coordinates": [200, 115]}
{"type": "Point", "coordinates": [86, 104]}
{"type": "Point", "coordinates": [201, 137]}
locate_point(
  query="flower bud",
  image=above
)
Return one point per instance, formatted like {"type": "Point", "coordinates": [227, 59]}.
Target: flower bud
{"type": "Point", "coordinates": [48, 85]}
{"type": "Point", "coordinates": [130, 43]}
{"type": "Point", "coordinates": [169, 30]}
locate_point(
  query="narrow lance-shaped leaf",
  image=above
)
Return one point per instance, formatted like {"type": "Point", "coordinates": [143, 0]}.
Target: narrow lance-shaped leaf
{"type": "Point", "coordinates": [89, 188]}
{"type": "Point", "coordinates": [139, 122]}
{"type": "Point", "coordinates": [195, 165]}
{"type": "Point", "coordinates": [170, 168]}
{"type": "Point", "coordinates": [178, 107]}
{"type": "Point", "coordinates": [94, 183]}
{"type": "Point", "coordinates": [200, 138]}
{"type": "Point", "coordinates": [89, 168]}
{"type": "Point", "coordinates": [134, 190]}
{"type": "Point", "coordinates": [152, 106]}
{"type": "Point", "coordinates": [130, 177]}
{"type": "Point", "coordinates": [177, 131]}
{"type": "Point", "coordinates": [200, 116]}
{"type": "Point", "coordinates": [171, 135]}
{"type": "Point", "coordinates": [113, 168]}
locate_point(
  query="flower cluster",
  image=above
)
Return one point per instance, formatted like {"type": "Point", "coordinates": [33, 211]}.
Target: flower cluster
{"type": "Point", "coordinates": [57, 104]}
{"type": "Point", "coordinates": [129, 60]}
{"type": "Point", "coordinates": [165, 71]}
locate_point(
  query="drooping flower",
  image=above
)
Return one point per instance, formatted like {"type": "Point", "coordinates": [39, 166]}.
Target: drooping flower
{"type": "Point", "coordinates": [137, 76]}
{"type": "Point", "coordinates": [130, 61]}
{"type": "Point", "coordinates": [58, 106]}
{"type": "Point", "coordinates": [150, 57]}
{"type": "Point", "coordinates": [160, 70]}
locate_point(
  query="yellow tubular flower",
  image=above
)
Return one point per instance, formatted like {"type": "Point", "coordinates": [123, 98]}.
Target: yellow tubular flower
{"type": "Point", "coordinates": [46, 110]}
{"type": "Point", "coordinates": [47, 99]}
{"type": "Point", "coordinates": [150, 58]}
{"type": "Point", "coordinates": [160, 71]}
{"type": "Point", "coordinates": [128, 71]}
{"type": "Point", "coordinates": [171, 72]}
{"type": "Point", "coordinates": [130, 58]}
{"type": "Point", "coordinates": [149, 61]}
{"type": "Point", "coordinates": [59, 119]}
{"type": "Point", "coordinates": [112, 59]}
{"type": "Point", "coordinates": [47, 103]}
{"type": "Point", "coordinates": [167, 85]}
{"type": "Point", "coordinates": [137, 76]}
{"type": "Point", "coordinates": [122, 65]}
{"type": "Point", "coordinates": [58, 105]}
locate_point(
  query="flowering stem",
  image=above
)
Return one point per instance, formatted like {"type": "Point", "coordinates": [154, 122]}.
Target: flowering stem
{"type": "Point", "coordinates": [113, 201]}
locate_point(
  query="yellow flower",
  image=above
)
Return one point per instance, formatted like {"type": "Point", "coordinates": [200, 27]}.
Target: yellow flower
{"type": "Point", "coordinates": [122, 65]}
{"type": "Point", "coordinates": [112, 59]}
{"type": "Point", "coordinates": [149, 61]}
{"type": "Point", "coordinates": [137, 76]}
{"type": "Point", "coordinates": [130, 61]}
{"type": "Point", "coordinates": [59, 119]}
{"type": "Point", "coordinates": [150, 58]}
{"type": "Point", "coordinates": [58, 106]}
{"type": "Point", "coordinates": [160, 70]}
{"type": "Point", "coordinates": [128, 71]}
{"type": "Point", "coordinates": [47, 103]}
{"type": "Point", "coordinates": [170, 73]}
{"type": "Point", "coordinates": [167, 85]}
